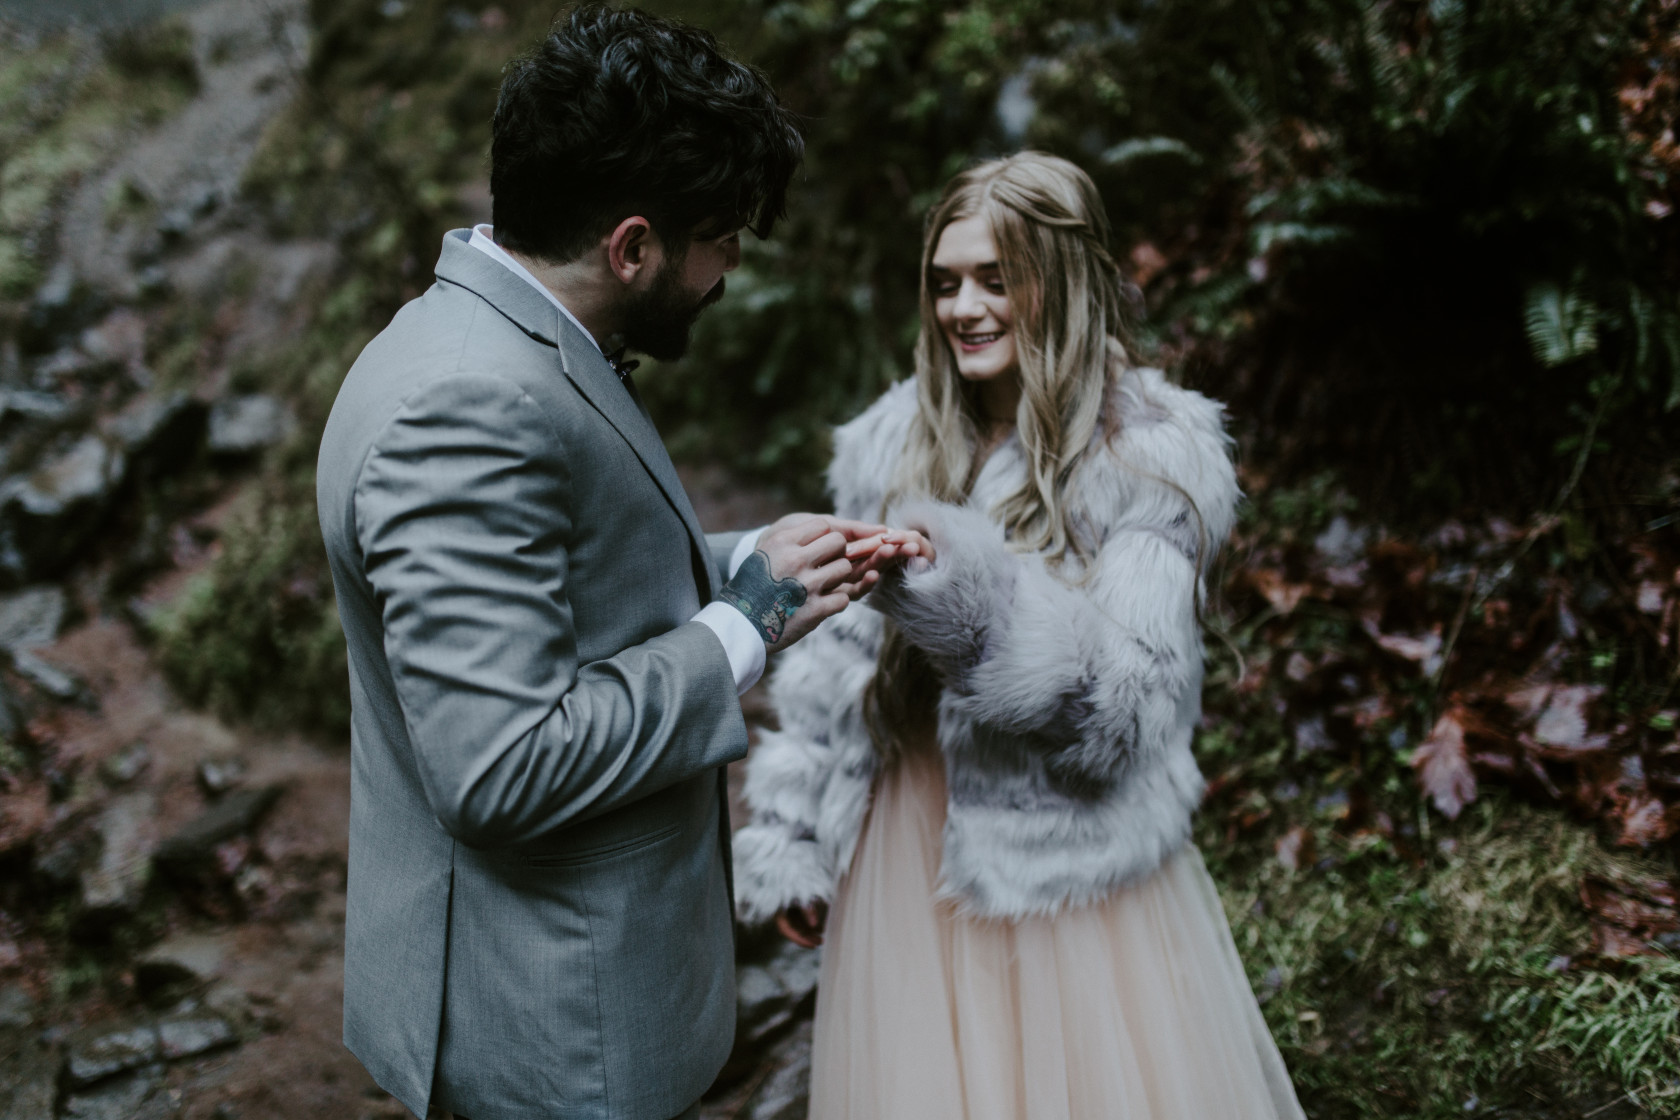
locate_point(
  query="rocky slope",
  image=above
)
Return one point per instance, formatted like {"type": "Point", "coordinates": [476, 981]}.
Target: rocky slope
{"type": "Point", "coordinates": [172, 897]}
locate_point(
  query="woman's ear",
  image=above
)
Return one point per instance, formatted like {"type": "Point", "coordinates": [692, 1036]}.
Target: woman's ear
{"type": "Point", "coordinates": [632, 249]}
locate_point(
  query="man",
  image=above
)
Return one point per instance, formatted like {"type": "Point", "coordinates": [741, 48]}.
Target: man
{"type": "Point", "coordinates": [545, 650]}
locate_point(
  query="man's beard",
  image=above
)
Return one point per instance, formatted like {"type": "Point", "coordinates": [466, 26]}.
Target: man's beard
{"type": "Point", "coordinates": [657, 322]}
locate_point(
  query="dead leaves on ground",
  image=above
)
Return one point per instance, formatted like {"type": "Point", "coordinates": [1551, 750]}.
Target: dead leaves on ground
{"type": "Point", "coordinates": [1487, 662]}
{"type": "Point", "coordinates": [1628, 916]}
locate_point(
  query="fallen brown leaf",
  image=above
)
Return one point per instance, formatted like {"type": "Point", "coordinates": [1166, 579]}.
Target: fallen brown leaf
{"type": "Point", "coordinates": [1283, 595]}
{"type": "Point", "coordinates": [1563, 721]}
{"type": "Point", "coordinates": [1627, 916]}
{"type": "Point", "coordinates": [1645, 820]}
{"type": "Point", "coordinates": [1423, 650]}
{"type": "Point", "coordinates": [1442, 763]}
{"type": "Point", "coordinates": [23, 815]}
{"type": "Point", "coordinates": [1613, 941]}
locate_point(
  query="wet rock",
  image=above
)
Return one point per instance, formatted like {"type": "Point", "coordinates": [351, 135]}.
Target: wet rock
{"type": "Point", "coordinates": [59, 861]}
{"type": "Point", "coordinates": [24, 813]}
{"type": "Point", "coordinates": [58, 683]}
{"type": "Point", "coordinates": [46, 516]}
{"type": "Point", "coordinates": [786, 1093]}
{"type": "Point", "coordinates": [12, 717]}
{"type": "Point", "coordinates": [61, 305]}
{"type": "Point", "coordinates": [246, 425]}
{"type": "Point", "coordinates": [194, 844]}
{"type": "Point", "coordinates": [17, 1007]}
{"type": "Point", "coordinates": [34, 406]}
{"type": "Point", "coordinates": [120, 337]}
{"type": "Point", "coordinates": [771, 995]}
{"type": "Point", "coordinates": [135, 1097]}
{"type": "Point", "coordinates": [186, 960]}
{"type": "Point", "coordinates": [72, 364]}
{"type": "Point", "coordinates": [218, 775]}
{"type": "Point", "coordinates": [236, 1006]}
{"type": "Point", "coordinates": [28, 1084]}
{"type": "Point", "coordinates": [191, 1035]}
{"type": "Point", "coordinates": [113, 886]}
{"type": "Point", "coordinates": [127, 764]}
{"type": "Point", "coordinates": [158, 433]}
{"type": "Point", "coordinates": [108, 1054]}
{"type": "Point", "coordinates": [32, 617]}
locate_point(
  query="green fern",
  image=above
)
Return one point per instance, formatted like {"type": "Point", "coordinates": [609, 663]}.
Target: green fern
{"type": "Point", "coordinates": [1562, 325]}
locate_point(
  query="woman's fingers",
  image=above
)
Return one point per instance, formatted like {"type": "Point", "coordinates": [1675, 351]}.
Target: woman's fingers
{"type": "Point", "coordinates": [793, 931]}
{"type": "Point", "coordinates": [911, 542]}
{"type": "Point", "coordinates": [856, 530]}
{"type": "Point", "coordinates": [864, 546]}
{"type": "Point", "coordinates": [803, 925]}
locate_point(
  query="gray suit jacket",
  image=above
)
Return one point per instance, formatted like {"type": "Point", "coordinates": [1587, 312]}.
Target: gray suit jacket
{"type": "Point", "coordinates": [539, 913]}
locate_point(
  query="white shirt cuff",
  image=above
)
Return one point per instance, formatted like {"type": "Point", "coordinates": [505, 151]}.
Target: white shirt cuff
{"type": "Point", "coordinates": [741, 642]}
{"type": "Point", "coordinates": [743, 549]}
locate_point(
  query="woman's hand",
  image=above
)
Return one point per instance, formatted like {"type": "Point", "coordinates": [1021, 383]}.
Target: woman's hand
{"type": "Point", "coordinates": [871, 555]}
{"type": "Point", "coordinates": [803, 925]}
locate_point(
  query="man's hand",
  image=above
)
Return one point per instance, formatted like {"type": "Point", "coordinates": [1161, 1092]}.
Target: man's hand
{"type": "Point", "coordinates": [799, 575]}
{"type": "Point", "coordinates": [803, 925]}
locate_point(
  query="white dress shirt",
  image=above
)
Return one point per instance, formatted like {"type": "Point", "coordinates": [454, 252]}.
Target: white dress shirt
{"type": "Point", "coordinates": [741, 641]}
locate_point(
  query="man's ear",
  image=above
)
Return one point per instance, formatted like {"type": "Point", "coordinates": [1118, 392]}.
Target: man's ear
{"type": "Point", "coordinates": [633, 248]}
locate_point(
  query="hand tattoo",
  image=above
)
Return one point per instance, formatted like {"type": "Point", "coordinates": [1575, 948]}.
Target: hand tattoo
{"type": "Point", "coordinates": [767, 602]}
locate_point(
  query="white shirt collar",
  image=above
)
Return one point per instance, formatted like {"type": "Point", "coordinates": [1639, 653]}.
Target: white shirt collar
{"type": "Point", "coordinates": [483, 239]}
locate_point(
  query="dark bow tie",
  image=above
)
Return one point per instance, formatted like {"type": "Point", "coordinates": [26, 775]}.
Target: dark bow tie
{"type": "Point", "coordinates": [621, 367]}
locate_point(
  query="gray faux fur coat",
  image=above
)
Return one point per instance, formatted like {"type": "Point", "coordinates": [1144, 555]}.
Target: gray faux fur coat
{"type": "Point", "coordinates": [1066, 712]}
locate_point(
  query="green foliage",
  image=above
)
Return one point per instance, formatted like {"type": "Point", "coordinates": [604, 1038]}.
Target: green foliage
{"type": "Point", "coordinates": [1390, 191]}
{"type": "Point", "coordinates": [1448, 982]}
{"type": "Point", "coordinates": [257, 635]}
{"type": "Point", "coordinates": [63, 105]}
{"type": "Point", "coordinates": [156, 53]}
{"type": "Point", "coordinates": [1373, 200]}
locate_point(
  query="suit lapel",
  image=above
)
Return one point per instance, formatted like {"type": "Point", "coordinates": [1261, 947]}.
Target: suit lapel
{"type": "Point", "coordinates": [595, 379]}
{"type": "Point", "coordinates": [584, 366]}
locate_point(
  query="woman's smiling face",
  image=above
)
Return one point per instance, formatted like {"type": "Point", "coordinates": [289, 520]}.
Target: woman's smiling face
{"type": "Point", "coordinates": [970, 302]}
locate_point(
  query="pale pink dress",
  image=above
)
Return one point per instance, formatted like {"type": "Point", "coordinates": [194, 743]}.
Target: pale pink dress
{"type": "Point", "coordinates": [1135, 1007]}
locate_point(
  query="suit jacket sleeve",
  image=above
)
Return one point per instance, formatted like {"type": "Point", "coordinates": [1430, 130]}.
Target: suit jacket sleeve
{"type": "Point", "coordinates": [462, 513]}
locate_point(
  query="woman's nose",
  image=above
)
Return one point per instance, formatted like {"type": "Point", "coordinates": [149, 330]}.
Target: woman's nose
{"type": "Point", "coordinates": [968, 305]}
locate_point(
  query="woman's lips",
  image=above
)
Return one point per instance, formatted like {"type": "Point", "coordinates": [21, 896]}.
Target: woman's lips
{"type": "Point", "coordinates": [974, 342]}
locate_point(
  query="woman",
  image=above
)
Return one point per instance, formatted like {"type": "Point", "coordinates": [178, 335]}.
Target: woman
{"type": "Point", "coordinates": [989, 777]}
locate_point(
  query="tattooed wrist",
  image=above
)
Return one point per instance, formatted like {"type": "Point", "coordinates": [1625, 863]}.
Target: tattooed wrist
{"type": "Point", "coordinates": [767, 602]}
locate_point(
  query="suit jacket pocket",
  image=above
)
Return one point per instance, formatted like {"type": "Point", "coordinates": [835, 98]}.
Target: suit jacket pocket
{"type": "Point", "coordinates": [596, 853]}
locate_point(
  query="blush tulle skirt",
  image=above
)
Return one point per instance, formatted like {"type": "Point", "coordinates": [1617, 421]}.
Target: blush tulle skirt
{"type": "Point", "coordinates": [1136, 1007]}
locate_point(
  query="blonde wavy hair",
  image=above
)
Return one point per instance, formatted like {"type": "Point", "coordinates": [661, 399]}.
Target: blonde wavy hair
{"type": "Point", "coordinates": [1066, 299]}
{"type": "Point", "coordinates": [1067, 305]}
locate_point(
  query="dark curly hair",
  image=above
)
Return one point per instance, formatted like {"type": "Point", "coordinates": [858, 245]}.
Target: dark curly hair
{"type": "Point", "coordinates": [619, 112]}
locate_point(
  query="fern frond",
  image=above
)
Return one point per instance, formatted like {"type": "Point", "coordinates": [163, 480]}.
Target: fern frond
{"type": "Point", "coordinates": [1141, 147]}
{"type": "Point", "coordinates": [1562, 326]}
